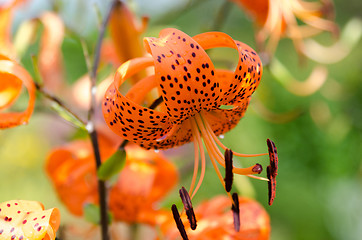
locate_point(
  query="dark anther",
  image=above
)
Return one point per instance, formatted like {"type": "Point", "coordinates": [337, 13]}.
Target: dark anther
{"type": "Point", "coordinates": [272, 170]}
{"type": "Point", "coordinates": [271, 184]}
{"type": "Point", "coordinates": [229, 176]}
{"type": "Point", "coordinates": [257, 168]}
{"type": "Point", "coordinates": [180, 225]}
{"type": "Point", "coordinates": [236, 211]}
{"type": "Point", "coordinates": [185, 197]}
{"type": "Point", "coordinates": [273, 157]}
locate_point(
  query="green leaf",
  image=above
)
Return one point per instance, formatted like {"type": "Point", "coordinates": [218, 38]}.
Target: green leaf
{"type": "Point", "coordinates": [112, 166]}
{"type": "Point", "coordinates": [66, 115]}
{"type": "Point", "coordinates": [92, 213]}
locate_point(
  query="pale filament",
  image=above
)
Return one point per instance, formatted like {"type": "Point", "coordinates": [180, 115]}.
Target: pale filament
{"type": "Point", "coordinates": [214, 150]}
{"type": "Point", "coordinates": [212, 134]}
{"type": "Point", "coordinates": [197, 145]}
{"type": "Point", "coordinates": [218, 173]}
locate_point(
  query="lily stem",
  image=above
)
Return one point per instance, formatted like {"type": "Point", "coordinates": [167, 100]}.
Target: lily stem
{"type": "Point", "coordinates": [102, 191]}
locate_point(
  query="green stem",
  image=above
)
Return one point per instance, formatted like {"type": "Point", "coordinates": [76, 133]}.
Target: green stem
{"type": "Point", "coordinates": [102, 191]}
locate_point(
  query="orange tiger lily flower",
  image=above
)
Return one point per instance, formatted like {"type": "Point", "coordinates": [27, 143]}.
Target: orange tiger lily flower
{"type": "Point", "coordinates": [279, 18]}
{"type": "Point", "coordinates": [12, 78]}
{"type": "Point", "coordinates": [140, 184]}
{"type": "Point", "coordinates": [27, 220]}
{"type": "Point", "coordinates": [215, 221]}
{"type": "Point", "coordinates": [193, 94]}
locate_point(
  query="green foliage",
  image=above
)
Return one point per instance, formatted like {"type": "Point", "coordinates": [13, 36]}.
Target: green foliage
{"type": "Point", "coordinates": [91, 213]}
{"type": "Point", "coordinates": [112, 165]}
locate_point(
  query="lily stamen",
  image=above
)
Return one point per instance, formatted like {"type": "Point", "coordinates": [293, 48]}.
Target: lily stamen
{"type": "Point", "coordinates": [178, 221]}
{"type": "Point", "coordinates": [197, 145]}
{"type": "Point", "coordinates": [219, 157]}
{"type": "Point", "coordinates": [185, 197]}
{"type": "Point", "coordinates": [229, 177]}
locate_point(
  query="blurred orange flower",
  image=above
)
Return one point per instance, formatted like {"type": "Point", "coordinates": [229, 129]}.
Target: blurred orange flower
{"type": "Point", "coordinates": [50, 54]}
{"type": "Point", "coordinates": [145, 179]}
{"type": "Point", "coordinates": [279, 18]}
{"type": "Point", "coordinates": [6, 18]}
{"type": "Point", "coordinates": [215, 221]}
{"type": "Point", "coordinates": [27, 220]}
{"type": "Point", "coordinates": [12, 78]}
{"type": "Point", "coordinates": [125, 41]}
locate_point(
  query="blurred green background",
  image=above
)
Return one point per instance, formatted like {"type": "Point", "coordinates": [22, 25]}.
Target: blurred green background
{"type": "Point", "coordinates": [319, 190]}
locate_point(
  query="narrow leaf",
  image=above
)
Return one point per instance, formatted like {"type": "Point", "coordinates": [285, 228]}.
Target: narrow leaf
{"type": "Point", "coordinates": [68, 116]}
{"type": "Point", "coordinates": [113, 165]}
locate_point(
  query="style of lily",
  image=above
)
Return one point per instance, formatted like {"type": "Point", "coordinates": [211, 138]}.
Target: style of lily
{"type": "Point", "coordinates": [139, 186]}
{"type": "Point", "coordinates": [27, 220]}
{"type": "Point", "coordinates": [193, 94]}
{"type": "Point", "coordinates": [215, 221]}
{"type": "Point", "coordinates": [279, 18]}
{"type": "Point", "coordinates": [12, 78]}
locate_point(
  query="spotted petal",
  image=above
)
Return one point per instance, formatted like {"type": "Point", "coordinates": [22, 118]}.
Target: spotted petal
{"type": "Point", "coordinates": [21, 219]}
{"type": "Point", "coordinates": [185, 74]}
{"type": "Point", "coordinates": [11, 75]}
{"type": "Point", "coordinates": [129, 119]}
{"type": "Point", "coordinates": [248, 72]}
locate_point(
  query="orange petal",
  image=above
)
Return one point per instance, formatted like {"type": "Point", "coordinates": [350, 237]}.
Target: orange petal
{"type": "Point", "coordinates": [248, 72]}
{"type": "Point", "coordinates": [73, 173]}
{"type": "Point", "coordinates": [128, 119]}
{"type": "Point", "coordinates": [9, 90]}
{"type": "Point", "coordinates": [223, 120]}
{"type": "Point", "coordinates": [50, 55]}
{"type": "Point", "coordinates": [215, 221]}
{"type": "Point", "coordinates": [10, 75]}
{"type": "Point", "coordinates": [258, 9]}
{"type": "Point", "coordinates": [185, 74]}
{"type": "Point", "coordinates": [125, 33]}
{"type": "Point", "coordinates": [21, 219]}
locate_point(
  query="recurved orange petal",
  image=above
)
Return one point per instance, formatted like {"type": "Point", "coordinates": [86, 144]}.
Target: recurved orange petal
{"type": "Point", "coordinates": [129, 119]}
{"type": "Point", "coordinates": [11, 75]}
{"type": "Point", "coordinates": [185, 74]}
{"type": "Point", "coordinates": [9, 91]}
{"type": "Point", "coordinates": [21, 219]}
{"type": "Point", "coordinates": [246, 77]}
